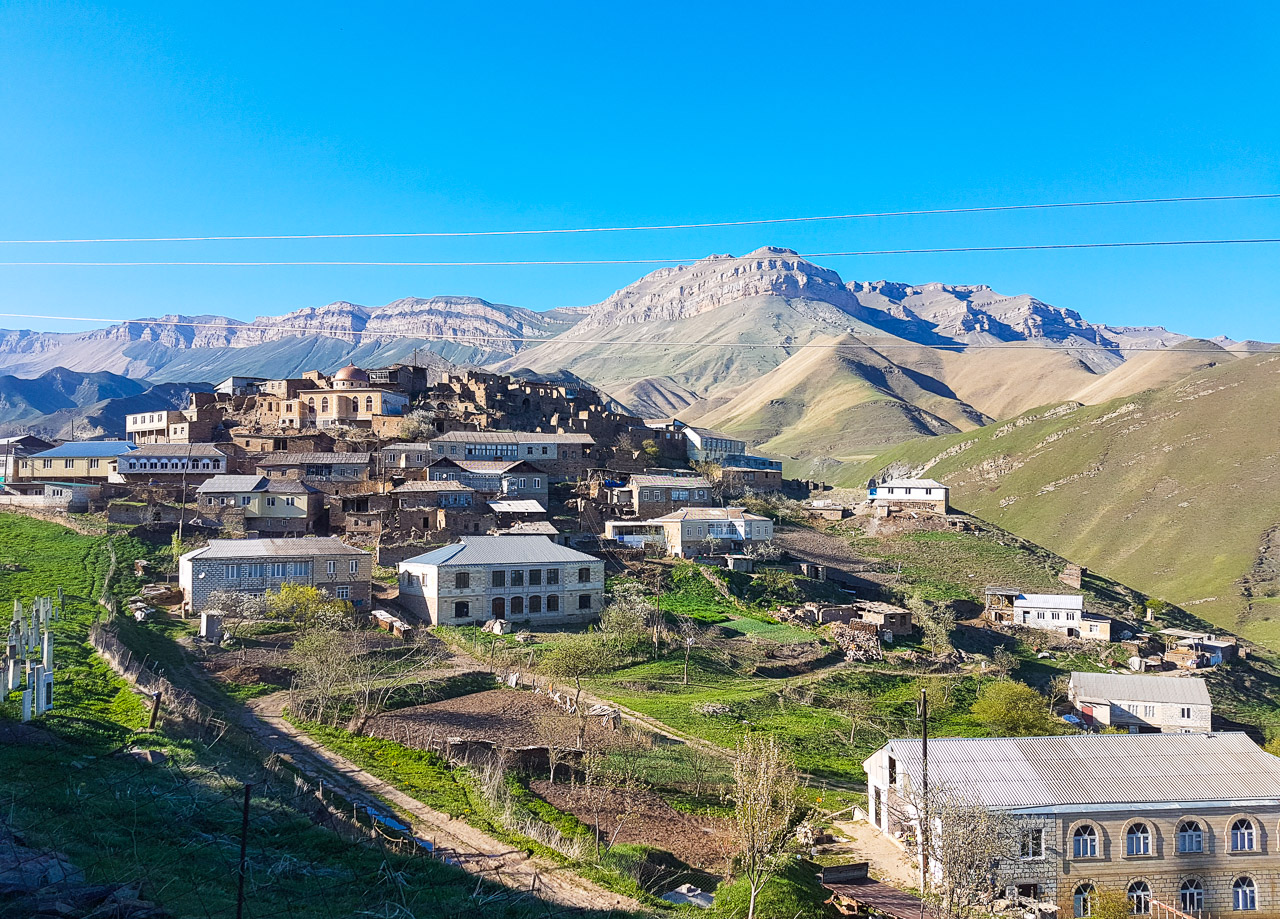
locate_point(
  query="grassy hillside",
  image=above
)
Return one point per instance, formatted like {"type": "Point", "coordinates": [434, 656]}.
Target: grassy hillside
{"type": "Point", "coordinates": [1173, 490]}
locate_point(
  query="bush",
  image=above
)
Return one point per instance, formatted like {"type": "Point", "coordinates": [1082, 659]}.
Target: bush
{"type": "Point", "coordinates": [1011, 709]}
{"type": "Point", "coordinates": [793, 893]}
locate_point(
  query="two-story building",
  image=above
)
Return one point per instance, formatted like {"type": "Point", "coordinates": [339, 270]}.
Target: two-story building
{"type": "Point", "coordinates": [1186, 822]}
{"type": "Point", "coordinates": [255, 566]}
{"type": "Point", "coordinates": [317, 468]}
{"type": "Point", "coordinates": [510, 478]}
{"type": "Point", "coordinates": [76, 461]}
{"type": "Point", "coordinates": [198, 423]}
{"type": "Point", "coordinates": [1061, 613]}
{"type": "Point", "coordinates": [708, 446]}
{"type": "Point", "coordinates": [15, 449]}
{"type": "Point", "coordinates": [646, 495]}
{"type": "Point", "coordinates": [174, 463]}
{"type": "Point", "coordinates": [561, 456]}
{"type": "Point", "coordinates": [694, 531]}
{"type": "Point", "coordinates": [524, 579]}
{"type": "Point", "coordinates": [1141, 704]}
{"type": "Point", "coordinates": [439, 507]}
{"type": "Point", "coordinates": [261, 505]}
{"type": "Point", "coordinates": [907, 496]}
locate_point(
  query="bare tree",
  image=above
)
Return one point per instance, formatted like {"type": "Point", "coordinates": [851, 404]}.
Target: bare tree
{"type": "Point", "coordinates": [552, 733]}
{"type": "Point", "coordinates": [936, 625]}
{"type": "Point", "coordinates": [765, 799]}
{"type": "Point", "coordinates": [237, 609]}
{"type": "Point", "coordinates": [377, 675]}
{"type": "Point", "coordinates": [688, 633]}
{"type": "Point", "coordinates": [573, 658]}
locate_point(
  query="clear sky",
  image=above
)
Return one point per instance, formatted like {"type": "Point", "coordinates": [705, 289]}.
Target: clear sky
{"type": "Point", "coordinates": [163, 119]}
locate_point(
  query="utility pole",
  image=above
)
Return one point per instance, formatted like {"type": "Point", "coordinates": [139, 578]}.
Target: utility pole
{"type": "Point", "coordinates": [922, 709]}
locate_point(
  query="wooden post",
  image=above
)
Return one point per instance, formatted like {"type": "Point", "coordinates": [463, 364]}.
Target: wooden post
{"type": "Point", "coordinates": [155, 710]}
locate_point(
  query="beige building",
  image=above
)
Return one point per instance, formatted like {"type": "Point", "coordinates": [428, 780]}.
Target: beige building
{"type": "Point", "coordinates": [76, 461]}
{"type": "Point", "coordinates": [264, 506]}
{"type": "Point", "coordinates": [316, 401]}
{"type": "Point", "coordinates": [195, 424]}
{"type": "Point", "coordinates": [1140, 704]}
{"type": "Point", "coordinates": [1184, 822]}
{"type": "Point", "coordinates": [695, 531]}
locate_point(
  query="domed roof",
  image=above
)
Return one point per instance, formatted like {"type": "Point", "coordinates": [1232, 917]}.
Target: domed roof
{"type": "Point", "coordinates": [352, 373]}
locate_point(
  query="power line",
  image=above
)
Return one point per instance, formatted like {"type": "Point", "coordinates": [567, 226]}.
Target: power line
{"type": "Point", "coordinates": [634, 261]}
{"type": "Point", "coordinates": [670, 226]}
{"type": "Point", "coordinates": [468, 339]}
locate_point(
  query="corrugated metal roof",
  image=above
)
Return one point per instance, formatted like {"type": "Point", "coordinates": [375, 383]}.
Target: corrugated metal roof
{"type": "Point", "coordinates": [912, 483]}
{"type": "Point", "coordinates": [669, 481]}
{"type": "Point", "coordinates": [224, 484]}
{"type": "Point", "coordinates": [529, 528]}
{"type": "Point", "coordinates": [708, 513]}
{"type": "Point", "coordinates": [512, 437]}
{"type": "Point", "coordinates": [179, 450]}
{"type": "Point", "coordinates": [1049, 601]}
{"type": "Point", "coordinates": [89, 448]}
{"type": "Point", "coordinates": [521, 506]}
{"type": "Point", "coordinates": [501, 550]}
{"type": "Point", "coordinates": [493, 467]}
{"type": "Point", "coordinates": [328, 459]}
{"type": "Point", "coordinates": [1085, 769]}
{"type": "Point", "coordinates": [434, 485]}
{"type": "Point", "coordinates": [1135, 688]}
{"type": "Point", "coordinates": [260, 549]}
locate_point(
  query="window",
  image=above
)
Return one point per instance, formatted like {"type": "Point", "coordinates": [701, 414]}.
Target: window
{"type": "Point", "coordinates": [517, 578]}
{"type": "Point", "coordinates": [324, 404]}
{"type": "Point", "coordinates": [1191, 896]}
{"type": "Point", "coordinates": [537, 483]}
{"type": "Point", "coordinates": [1242, 836]}
{"type": "Point", "coordinates": [244, 500]}
{"type": "Point", "coordinates": [1190, 837]}
{"type": "Point", "coordinates": [368, 403]}
{"type": "Point", "coordinates": [1186, 713]}
{"type": "Point", "coordinates": [553, 576]}
{"type": "Point", "coordinates": [553, 603]}
{"type": "Point", "coordinates": [1244, 895]}
{"type": "Point", "coordinates": [271, 502]}
{"type": "Point", "coordinates": [279, 569]}
{"type": "Point", "coordinates": [499, 579]}
{"type": "Point", "coordinates": [290, 501]}
{"type": "Point", "coordinates": [46, 464]}
{"type": "Point", "coordinates": [1084, 842]}
{"type": "Point", "coordinates": [1082, 899]}
{"type": "Point", "coordinates": [461, 609]}
{"type": "Point", "coordinates": [343, 592]}
{"type": "Point", "coordinates": [535, 604]}
{"type": "Point", "coordinates": [584, 575]}
{"type": "Point", "coordinates": [584, 601]}
{"type": "Point", "coordinates": [1148, 711]}
{"type": "Point", "coordinates": [1031, 844]}
{"type": "Point", "coordinates": [1140, 898]}
{"type": "Point", "coordinates": [93, 463]}
{"type": "Point", "coordinates": [462, 580]}
{"type": "Point", "coordinates": [330, 567]}
{"type": "Point", "coordinates": [355, 566]}
{"type": "Point", "coordinates": [69, 463]}
{"type": "Point", "coordinates": [535, 577]}
{"type": "Point", "coordinates": [1137, 840]}
{"type": "Point", "coordinates": [231, 572]}
{"type": "Point", "coordinates": [893, 771]}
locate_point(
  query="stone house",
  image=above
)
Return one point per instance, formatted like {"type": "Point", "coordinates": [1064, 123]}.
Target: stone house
{"type": "Point", "coordinates": [527, 580]}
{"type": "Point", "coordinates": [438, 508]}
{"type": "Point", "coordinates": [694, 531]}
{"type": "Point", "coordinates": [739, 480]}
{"type": "Point", "coordinates": [76, 461]}
{"type": "Point", "coordinates": [1142, 704]}
{"type": "Point", "coordinates": [561, 456]}
{"type": "Point", "coordinates": [509, 478]}
{"type": "Point", "coordinates": [175, 464]}
{"type": "Point", "coordinates": [318, 468]}
{"type": "Point", "coordinates": [908, 496]}
{"type": "Point", "coordinates": [1184, 822]}
{"type": "Point", "coordinates": [198, 423]}
{"type": "Point", "coordinates": [296, 442]}
{"type": "Point", "coordinates": [648, 495]}
{"type": "Point", "coordinates": [261, 506]}
{"type": "Point", "coordinates": [255, 566]}
{"type": "Point", "coordinates": [1061, 613]}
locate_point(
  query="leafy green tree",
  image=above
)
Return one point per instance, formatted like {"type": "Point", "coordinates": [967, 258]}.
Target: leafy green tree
{"type": "Point", "coordinates": [627, 620]}
{"type": "Point", "coordinates": [1011, 709]}
{"type": "Point", "coordinates": [576, 657]}
{"type": "Point", "coordinates": [1111, 903]}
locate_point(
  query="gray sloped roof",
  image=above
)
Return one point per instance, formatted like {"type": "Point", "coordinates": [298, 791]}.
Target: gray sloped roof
{"type": "Point", "coordinates": [225, 484]}
{"type": "Point", "coordinates": [501, 550]}
{"type": "Point", "coordinates": [1083, 769]}
{"type": "Point", "coordinates": [326, 459]}
{"type": "Point", "coordinates": [668, 481]}
{"type": "Point", "coordinates": [1136, 688]}
{"type": "Point", "coordinates": [264, 549]}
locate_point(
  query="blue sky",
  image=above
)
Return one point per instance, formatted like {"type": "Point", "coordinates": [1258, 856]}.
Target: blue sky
{"type": "Point", "coordinates": [186, 119]}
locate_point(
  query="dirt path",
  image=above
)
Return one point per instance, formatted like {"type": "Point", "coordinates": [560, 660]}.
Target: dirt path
{"type": "Point", "coordinates": [477, 852]}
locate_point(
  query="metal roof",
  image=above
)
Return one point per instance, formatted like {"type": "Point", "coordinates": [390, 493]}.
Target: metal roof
{"type": "Point", "coordinates": [520, 506]}
{"type": "Point", "coordinates": [501, 550]}
{"type": "Point", "coordinates": [707, 513]}
{"type": "Point", "coordinates": [329, 459]}
{"type": "Point", "coordinates": [89, 448]}
{"type": "Point", "coordinates": [529, 528]}
{"type": "Point", "coordinates": [1049, 601]}
{"type": "Point", "coordinates": [1135, 688]}
{"type": "Point", "coordinates": [433, 485]}
{"type": "Point", "coordinates": [407, 448]}
{"type": "Point", "coordinates": [1095, 769]}
{"type": "Point", "coordinates": [512, 437]}
{"type": "Point", "coordinates": [669, 481]}
{"type": "Point", "coordinates": [224, 484]}
{"type": "Point", "coordinates": [259, 549]}
{"type": "Point", "coordinates": [179, 450]}
{"type": "Point", "coordinates": [911, 483]}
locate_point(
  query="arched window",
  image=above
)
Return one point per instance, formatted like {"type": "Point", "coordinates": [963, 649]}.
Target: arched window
{"type": "Point", "coordinates": [1191, 895]}
{"type": "Point", "coordinates": [1139, 898]}
{"type": "Point", "coordinates": [324, 403]}
{"type": "Point", "coordinates": [553, 603]}
{"type": "Point", "coordinates": [1084, 842]}
{"type": "Point", "coordinates": [535, 604]}
{"type": "Point", "coordinates": [461, 609]}
{"type": "Point", "coordinates": [1082, 898]}
{"type": "Point", "coordinates": [1242, 835]}
{"type": "Point", "coordinates": [368, 403]}
{"type": "Point", "coordinates": [1137, 840]}
{"type": "Point", "coordinates": [1244, 895]}
{"type": "Point", "coordinates": [1190, 836]}
{"type": "Point", "coordinates": [517, 606]}
{"type": "Point", "coordinates": [311, 403]}
{"type": "Point", "coordinates": [499, 608]}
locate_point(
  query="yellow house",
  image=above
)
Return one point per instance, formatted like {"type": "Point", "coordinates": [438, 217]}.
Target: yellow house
{"type": "Point", "coordinates": [94, 460]}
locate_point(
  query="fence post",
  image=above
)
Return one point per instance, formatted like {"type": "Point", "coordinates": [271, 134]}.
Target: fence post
{"type": "Point", "coordinates": [155, 710]}
{"type": "Point", "coordinates": [244, 852]}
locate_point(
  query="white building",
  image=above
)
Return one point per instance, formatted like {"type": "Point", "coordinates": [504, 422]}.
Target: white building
{"type": "Point", "coordinates": [900, 496]}
{"type": "Point", "coordinates": [524, 579]}
{"type": "Point", "coordinates": [1142, 703]}
{"type": "Point", "coordinates": [1061, 613]}
{"type": "Point", "coordinates": [693, 531]}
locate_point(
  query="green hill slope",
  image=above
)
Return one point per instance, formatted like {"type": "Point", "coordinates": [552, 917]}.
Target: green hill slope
{"type": "Point", "coordinates": [1174, 490]}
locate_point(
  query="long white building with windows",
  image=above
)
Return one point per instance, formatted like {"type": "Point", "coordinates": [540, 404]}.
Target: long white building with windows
{"type": "Point", "coordinates": [1186, 822]}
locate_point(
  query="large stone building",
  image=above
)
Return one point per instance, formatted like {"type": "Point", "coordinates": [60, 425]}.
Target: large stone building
{"type": "Point", "coordinates": [649, 495]}
{"type": "Point", "coordinates": [524, 579]}
{"type": "Point", "coordinates": [198, 423]}
{"type": "Point", "coordinates": [175, 464]}
{"type": "Point", "coordinates": [254, 566]}
{"type": "Point", "coordinates": [561, 456]}
{"type": "Point", "coordinates": [1189, 822]}
{"type": "Point", "coordinates": [318, 468]}
{"type": "Point", "coordinates": [1141, 704]}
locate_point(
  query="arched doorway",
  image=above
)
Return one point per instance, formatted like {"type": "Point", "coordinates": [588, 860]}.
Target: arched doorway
{"type": "Point", "coordinates": [499, 608]}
